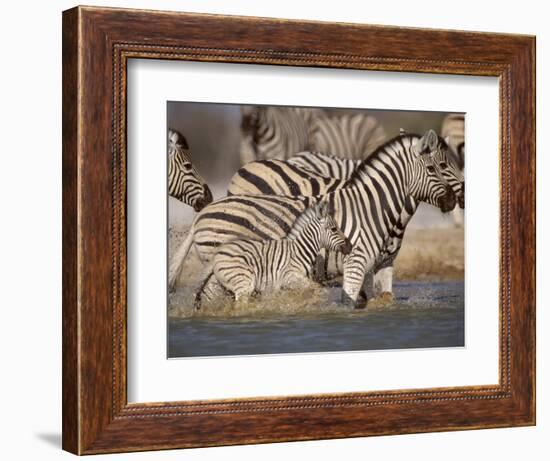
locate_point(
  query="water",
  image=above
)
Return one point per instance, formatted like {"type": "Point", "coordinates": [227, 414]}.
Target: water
{"type": "Point", "coordinates": [424, 314]}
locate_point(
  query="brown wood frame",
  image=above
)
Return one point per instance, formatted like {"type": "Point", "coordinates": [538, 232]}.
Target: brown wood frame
{"type": "Point", "coordinates": [97, 43]}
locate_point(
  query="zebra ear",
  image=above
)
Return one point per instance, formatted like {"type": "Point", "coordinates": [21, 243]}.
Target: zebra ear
{"type": "Point", "coordinates": [322, 209]}
{"type": "Point", "coordinates": [427, 143]}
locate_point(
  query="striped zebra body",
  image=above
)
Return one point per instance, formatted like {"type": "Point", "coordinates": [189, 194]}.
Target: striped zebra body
{"type": "Point", "coordinates": [367, 209]}
{"type": "Point", "coordinates": [351, 136]}
{"type": "Point", "coordinates": [275, 132]}
{"type": "Point", "coordinates": [325, 165]}
{"type": "Point", "coordinates": [281, 132]}
{"type": "Point", "coordinates": [280, 177]}
{"type": "Point", "coordinates": [247, 266]}
{"type": "Point", "coordinates": [184, 182]}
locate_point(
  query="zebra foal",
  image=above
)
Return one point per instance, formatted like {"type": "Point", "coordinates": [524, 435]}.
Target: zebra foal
{"type": "Point", "coordinates": [244, 267]}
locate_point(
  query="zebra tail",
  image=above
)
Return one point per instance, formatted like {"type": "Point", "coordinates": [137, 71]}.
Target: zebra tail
{"type": "Point", "coordinates": [176, 262]}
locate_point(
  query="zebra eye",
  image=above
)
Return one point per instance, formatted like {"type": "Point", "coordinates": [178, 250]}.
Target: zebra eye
{"type": "Point", "coordinates": [187, 167]}
{"type": "Point", "coordinates": [443, 165]}
{"type": "Point", "coordinates": [334, 229]}
{"type": "Point", "coordinates": [430, 169]}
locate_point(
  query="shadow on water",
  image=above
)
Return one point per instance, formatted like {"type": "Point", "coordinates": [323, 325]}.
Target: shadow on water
{"type": "Point", "coordinates": [424, 314]}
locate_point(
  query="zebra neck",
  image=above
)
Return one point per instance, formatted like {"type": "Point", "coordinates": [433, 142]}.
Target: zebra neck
{"type": "Point", "coordinates": [392, 161]}
{"type": "Point", "coordinates": [306, 244]}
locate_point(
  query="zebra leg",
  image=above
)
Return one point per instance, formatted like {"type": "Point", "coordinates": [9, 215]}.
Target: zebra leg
{"type": "Point", "coordinates": [243, 297]}
{"type": "Point", "coordinates": [367, 291]}
{"type": "Point", "coordinates": [210, 289]}
{"type": "Point", "coordinates": [356, 267]}
{"type": "Point", "coordinates": [383, 281]}
{"type": "Point", "coordinates": [320, 267]}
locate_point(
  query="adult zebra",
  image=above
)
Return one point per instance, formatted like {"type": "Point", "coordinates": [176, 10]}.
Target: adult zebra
{"type": "Point", "coordinates": [280, 132]}
{"type": "Point", "coordinates": [184, 182]}
{"type": "Point", "coordinates": [367, 209]}
{"type": "Point", "coordinates": [277, 177]}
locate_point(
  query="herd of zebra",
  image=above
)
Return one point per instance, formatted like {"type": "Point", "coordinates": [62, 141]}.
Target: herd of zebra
{"type": "Point", "coordinates": [318, 196]}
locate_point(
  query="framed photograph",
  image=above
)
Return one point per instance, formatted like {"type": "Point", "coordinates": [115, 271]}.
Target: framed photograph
{"type": "Point", "coordinates": [266, 234]}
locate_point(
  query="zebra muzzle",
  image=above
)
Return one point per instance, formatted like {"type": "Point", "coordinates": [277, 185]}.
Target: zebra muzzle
{"type": "Point", "coordinates": [448, 201]}
{"type": "Point", "coordinates": [204, 200]}
{"type": "Point", "coordinates": [461, 197]}
{"type": "Point", "coordinates": [346, 247]}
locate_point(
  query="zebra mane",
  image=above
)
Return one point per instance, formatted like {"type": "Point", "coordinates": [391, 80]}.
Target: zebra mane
{"type": "Point", "coordinates": [303, 220]}
{"type": "Point", "coordinates": [374, 156]}
{"type": "Point", "coordinates": [382, 148]}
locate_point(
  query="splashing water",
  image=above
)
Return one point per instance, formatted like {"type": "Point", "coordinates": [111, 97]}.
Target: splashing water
{"type": "Point", "coordinates": [424, 314]}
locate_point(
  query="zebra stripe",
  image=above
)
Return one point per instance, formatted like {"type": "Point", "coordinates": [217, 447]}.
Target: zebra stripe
{"type": "Point", "coordinates": [280, 132]}
{"type": "Point", "coordinates": [279, 177]}
{"type": "Point", "coordinates": [324, 164]}
{"type": "Point", "coordinates": [367, 209]}
{"type": "Point", "coordinates": [275, 132]}
{"type": "Point", "coordinates": [353, 136]}
{"type": "Point", "coordinates": [184, 182]}
{"type": "Point", "coordinates": [246, 266]}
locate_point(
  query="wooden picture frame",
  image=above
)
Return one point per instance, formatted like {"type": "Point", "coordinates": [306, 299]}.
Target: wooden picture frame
{"type": "Point", "coordinates": [97, 44]}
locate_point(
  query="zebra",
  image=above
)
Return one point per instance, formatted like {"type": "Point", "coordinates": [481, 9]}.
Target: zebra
{"type": "Point", "coordinates": [184, 182]}
{"type": "Point", "coordinates": [244, 267]}
{"type": "Point", "coordinates": [367, 209]}
{"type": "Point", "coordinates": [275, 132]}
{"type": "Point", "coordinates": [353, 135]}
{"type": "Point", "coordinates": [277, 177]}
{"type": "Point", "coordinates": [452, 128]}
{"type": "Point", "coordinates": [280, 132]}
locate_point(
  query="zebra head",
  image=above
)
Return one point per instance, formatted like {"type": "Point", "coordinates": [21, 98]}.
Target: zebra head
{"type": "Point", "coordinates": [428, 183]}
{"type": "Point", "coordinates": [184, 183]}
{"type": "Point", "coordinates": [330, 235]}
{"type": "Point", "coordinates": [250, 133]}
{"type": "Point", "coordinates": [449, 168]}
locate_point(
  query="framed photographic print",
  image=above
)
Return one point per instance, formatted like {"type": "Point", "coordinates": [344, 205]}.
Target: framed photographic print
{"type": "Point", "coordinates": [266, 234]}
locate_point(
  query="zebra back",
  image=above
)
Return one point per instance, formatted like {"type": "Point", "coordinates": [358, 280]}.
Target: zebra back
{"type": "Point", "coordinates": [325, 165]}
{"type": "Point", "coordinates": [279, 177]}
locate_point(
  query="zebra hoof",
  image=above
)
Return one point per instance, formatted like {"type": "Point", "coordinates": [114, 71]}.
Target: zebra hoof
{"type": "Point", "coordinates": [382, 300]}
{"type": "Point", "coordinates": [348, 301]}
